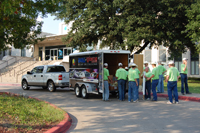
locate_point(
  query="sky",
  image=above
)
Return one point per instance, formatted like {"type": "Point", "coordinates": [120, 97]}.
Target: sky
{"type": "Point", "coordinates": [50, 25]}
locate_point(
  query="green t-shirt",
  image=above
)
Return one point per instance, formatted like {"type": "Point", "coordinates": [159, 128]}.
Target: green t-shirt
{"type": "Point", "coordinates": [105, 74]}
{"type": "Point", "coordinates": [121, 74]}
{"type": "Point", "coordinates": [155, 72]}
{"type": "Point", "coordinates": [132, 74]}
{"type": "Point", "coordinates": [173, 73]}
{"type": "Point", "coordinates": [182, 67]}
{"type": "Point", "coordinates": [137, 77]}
{"type": "Point", "coordinates": [161, 69]}
{"type": "Point", "coordinates": [148, 75]}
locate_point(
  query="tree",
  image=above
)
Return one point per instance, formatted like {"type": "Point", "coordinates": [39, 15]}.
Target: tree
{"type": "Point", "coordinates": [120, 23]}
{"type": "Point", "coordinates": [193, 27]}
{"type": "Point", "coordinates": [19, 26]}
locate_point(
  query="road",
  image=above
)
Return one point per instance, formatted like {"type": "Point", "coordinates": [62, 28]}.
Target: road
{"type": "Point", "coordinates": [93, 115]}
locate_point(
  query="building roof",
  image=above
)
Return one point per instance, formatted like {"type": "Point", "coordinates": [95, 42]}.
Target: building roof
{"type": "Point", "coordinates": [44, 34]}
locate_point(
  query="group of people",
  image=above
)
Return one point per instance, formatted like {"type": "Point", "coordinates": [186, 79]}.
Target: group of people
{"type": "Point", "coordinates": [153, 79]}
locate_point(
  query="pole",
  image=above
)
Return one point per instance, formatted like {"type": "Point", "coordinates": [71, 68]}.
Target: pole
{"type": "Point", "coordinates": [144, 80]}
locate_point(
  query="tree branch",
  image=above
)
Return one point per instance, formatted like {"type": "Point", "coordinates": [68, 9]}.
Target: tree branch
{"type": "Point", "coordinates": [142, 48]}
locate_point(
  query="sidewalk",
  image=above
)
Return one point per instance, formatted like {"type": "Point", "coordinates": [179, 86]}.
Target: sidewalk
{"type": "Point", "coordinates": [188, 97]}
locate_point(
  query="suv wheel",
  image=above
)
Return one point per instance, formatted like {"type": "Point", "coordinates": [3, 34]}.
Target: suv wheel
{"type": "Point", "coordinates": [51, 87]}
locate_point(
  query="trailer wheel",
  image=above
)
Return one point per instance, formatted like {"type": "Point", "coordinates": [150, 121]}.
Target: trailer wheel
{"type": "Point", "coordinates": [84, 92]}
{"type": "Point", "coordinates": [77, 91]}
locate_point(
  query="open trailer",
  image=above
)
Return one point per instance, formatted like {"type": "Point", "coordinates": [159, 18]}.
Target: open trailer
{"type": "Point", "coordinates": [86, 70]}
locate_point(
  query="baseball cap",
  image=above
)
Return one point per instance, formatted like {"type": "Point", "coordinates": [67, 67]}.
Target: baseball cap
{"type": "Point", "coordinates": [132, 64]}
{"type": "Point", "coordinates": [126, 67]}
{"type": "Point", "coordinates": [153, 63]}
{"type": "Point", "coordinates": [170, 62]}
{"type": "Point", "coordinates": [185, 59]}
{"type": "Point", "coordinates": [120, 64]}
{"type": "Point", "coordinates": [105, 64]}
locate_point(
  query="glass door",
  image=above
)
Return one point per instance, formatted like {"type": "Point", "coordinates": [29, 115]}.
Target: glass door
{"type": "Point", "coordinates": [54, 54]}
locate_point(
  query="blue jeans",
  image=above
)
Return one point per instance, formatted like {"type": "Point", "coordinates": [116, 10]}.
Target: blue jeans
{"type": "Point", "coordinates": [160, 87]}
{"type": "Point", "coordinates": [132, 91]}
{"type": "Point", "coordinates": [105, 94]}
{"type": "Point", "coordinates": [121, 85]}
{"type": "Point", "coordinates": [172, 87]}
{"type": "Point", "coordinates": [148, 89]}
{"type": "Point", "coordinates": [154, 84]}
{"type": "Point", "coordinates": [184, 80]}
{"type": "Point", "coordinates": [125, 85]}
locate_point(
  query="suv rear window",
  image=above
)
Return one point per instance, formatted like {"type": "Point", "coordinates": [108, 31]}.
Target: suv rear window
{"type": "Point", "coordinates": [56, 69]}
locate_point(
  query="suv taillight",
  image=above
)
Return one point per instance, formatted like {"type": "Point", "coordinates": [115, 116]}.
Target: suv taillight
{"type": "Point", "coordinates": [60, 77]}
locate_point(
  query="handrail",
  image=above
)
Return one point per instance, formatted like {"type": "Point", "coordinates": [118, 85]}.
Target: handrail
{"type": "Point", "coordinates": [19, 65]}
{"type": "Point", "coordinates": [6, 61]}
{"type": "Point", "coordinates": [21, 72]}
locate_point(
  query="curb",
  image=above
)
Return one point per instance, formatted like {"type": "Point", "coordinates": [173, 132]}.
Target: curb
{"type": "Point", "coordinates": [185, 98]}
{"type": "Point", "coordinates": [63, 126]}
{"type": "Point", "coordinates": [2, 84]}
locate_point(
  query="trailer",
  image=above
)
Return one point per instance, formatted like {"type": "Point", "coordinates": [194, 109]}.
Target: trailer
{"type": "Point", "coordinates": [86, 70]}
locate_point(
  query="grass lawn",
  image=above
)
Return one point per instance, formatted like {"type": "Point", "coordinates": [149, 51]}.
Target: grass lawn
{"type": "Point", "coordinates": [27, 113]}
{"type": "Point", "coordinates": [193, 85]}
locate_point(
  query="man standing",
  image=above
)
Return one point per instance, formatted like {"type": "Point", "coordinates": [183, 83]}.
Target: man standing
{"type": "Point", "coordinates": [121, 75]}
{"type": "Point", "coordinates": [106, 85]}
{"type": "Point", "coordinates": [155, 78]}
{"type": "Point", "coordinates": [161, 70]}
{"type": "Point", "coordinates": [184, 79]}
{"type": "Point", "coordinates": [172, 79]}
{"type": "Point", "coordinates": [132, 91]}
{"type": "Point", "coordinates": [126, 82]}
{"type": "Point", "coordinates": [147, 84]}
{"type": "Point", "coordinates": [138, 80]}
{"type": "Point", "coordinates": [146, 65]}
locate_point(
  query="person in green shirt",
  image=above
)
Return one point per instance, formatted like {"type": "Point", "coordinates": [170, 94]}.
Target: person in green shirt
{"type": "Point", "coordinates": [147, 84]}
{"type": "Point", "coordinates": [106, 77]}
{"type": "Point", "coordinates": [155, 78]}
{"type": "Point", "coordinates": [162, 70]}
{"type": "Point", "coordinates": [133, 84]}
{"type": "Point", "coordinates": [146, 65]}
{"type": "Point", "coordinates": [121, 76]}
{"type": "Point", "coordinates": [184, 79]}
{"type": "Point", "coordinates": [172, 79]}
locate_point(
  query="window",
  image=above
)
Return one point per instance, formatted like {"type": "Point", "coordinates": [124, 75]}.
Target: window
{"type": "Point", "coordinates": [147, 55]}
{"type": "Point", "coordinates": [178, 65]}
{"type": "Point", "coordinates": [194, 66]}
{"type": "Point", "coordinates": [56, 69]}
{"type": "Point", "coordinates": [40, 69]}
{"type": "Point", "coordinates": [162, 55]}
{"type": "Point", "coordinates": [34, 70]}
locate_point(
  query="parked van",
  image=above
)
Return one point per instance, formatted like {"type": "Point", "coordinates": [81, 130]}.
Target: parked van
{"type": "Point", "coordinates": [86, 70]}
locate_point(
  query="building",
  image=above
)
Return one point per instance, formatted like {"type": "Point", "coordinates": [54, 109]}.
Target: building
{"type": "Point", "coordinates": [161, 54]}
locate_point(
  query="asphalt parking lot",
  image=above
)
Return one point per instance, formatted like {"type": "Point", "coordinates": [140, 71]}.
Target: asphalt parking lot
{"type": "Point", "coordinates": [94, 115]}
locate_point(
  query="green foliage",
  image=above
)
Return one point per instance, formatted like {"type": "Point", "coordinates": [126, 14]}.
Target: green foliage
{"type": "Point", "coordinates": [28, 112]}
{"type": "Point", "coordinates": [19, 25]}
{"type": "Point", "coordinates": [120, 23]}
{"type": "Point", "coordinates": [193, 13]}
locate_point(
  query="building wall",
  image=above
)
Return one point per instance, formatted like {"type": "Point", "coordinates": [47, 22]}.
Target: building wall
{"type": "Point", "coordinates": [155, 54]}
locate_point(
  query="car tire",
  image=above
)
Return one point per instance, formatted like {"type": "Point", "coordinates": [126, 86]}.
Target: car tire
{"type": "Point", "coordinates": [77, 90]}
{"type": "Point", "coordinates": [25, 85]}
{"type": "Point", "coordinates": [84, 93]}
{"type": "Point", "coordinates": [50, 86]}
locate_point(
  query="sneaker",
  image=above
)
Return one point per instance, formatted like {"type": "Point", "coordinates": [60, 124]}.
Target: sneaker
{"type": "Point", "coordinates": [169, 102]}
{"type": "Point", "coordinates": [183, 93]}
{"type": "Point", "coordinates": [148, 99]}
{"type": "Point", "coordinates": [129, 101]}
{"type": "Point", "coordinates": [135, 101]}
{"type": "Point", "coordinates": [189, 93]}
{"type": "Point", "coordinates": [153, 100]}
{"type": "Point", "coordinates": [176, 102]}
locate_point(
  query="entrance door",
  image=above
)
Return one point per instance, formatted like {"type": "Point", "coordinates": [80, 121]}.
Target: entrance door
{"type": "Point", "coordinates": [54, 54]}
